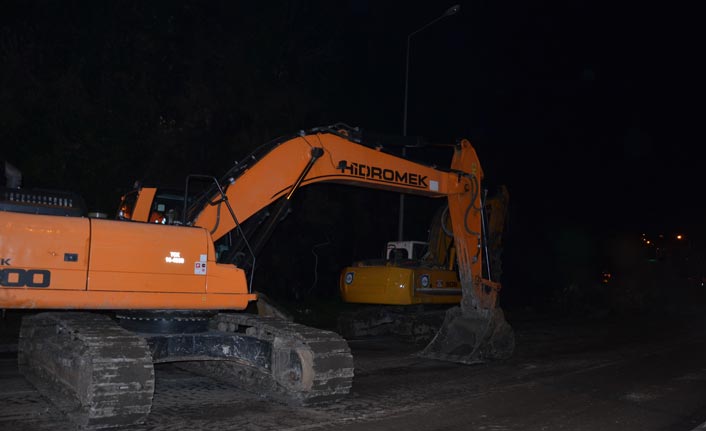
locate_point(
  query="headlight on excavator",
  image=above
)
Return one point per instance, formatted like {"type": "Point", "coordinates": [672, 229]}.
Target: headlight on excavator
{"type": "Point", "coordinates": [349, 278]}
{"type": "Point", "coordinates": [424, 280]}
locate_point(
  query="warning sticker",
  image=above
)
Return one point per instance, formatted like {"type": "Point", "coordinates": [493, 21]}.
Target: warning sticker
{"type": "Point", "coordinates": [200, 268]}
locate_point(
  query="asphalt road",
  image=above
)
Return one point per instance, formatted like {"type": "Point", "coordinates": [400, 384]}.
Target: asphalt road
{"type": "Point", "coordinates": [644, 373]}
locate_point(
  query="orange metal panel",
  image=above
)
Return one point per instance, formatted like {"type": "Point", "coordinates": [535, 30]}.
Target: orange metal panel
{"type": "Point", "coordinates": [224, 278]}
{"type": "Point", "coordinates": [30, 242]}
{"type": "Point", "coordinates": [143, 206]}
{"type": "Point", "coordinates": [133, 256]}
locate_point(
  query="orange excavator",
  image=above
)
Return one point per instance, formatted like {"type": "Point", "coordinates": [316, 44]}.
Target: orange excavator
{"type": "Point", "coordinates": [170, 290]}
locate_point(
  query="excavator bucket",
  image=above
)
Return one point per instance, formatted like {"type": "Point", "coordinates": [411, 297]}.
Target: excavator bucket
{"type": "Point", "coordinates": [472, 337]}
{"type": "Point", "coordinates": [476, 331]}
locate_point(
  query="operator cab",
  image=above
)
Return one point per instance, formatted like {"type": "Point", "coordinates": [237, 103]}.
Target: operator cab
{"type": "Point", "coordinates": [401, 250]}
{"type": "Point", "coordinates": [152, 205]}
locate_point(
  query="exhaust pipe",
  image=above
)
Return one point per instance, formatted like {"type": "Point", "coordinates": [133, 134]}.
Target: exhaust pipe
{"type": "Point", "coordinates": [13, 176]}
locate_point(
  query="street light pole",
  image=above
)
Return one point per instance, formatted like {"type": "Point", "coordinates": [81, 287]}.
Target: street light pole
{"type": "Point", "coordinates": [450, 11]}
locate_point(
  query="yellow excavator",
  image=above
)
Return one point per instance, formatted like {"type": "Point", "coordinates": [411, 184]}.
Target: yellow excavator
{"type": "Point", "coordinates": [408, 291]}
{"type": "Point", "coordinates": [130, 293]}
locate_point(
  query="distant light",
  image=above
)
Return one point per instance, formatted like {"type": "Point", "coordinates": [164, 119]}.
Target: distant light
{"type": "Point", "coordinates": [648, 241]}
{"type": "Point", "coordinates": [606, 277]}
{"type": "Point", "coordinates": [679, 237]}
{"type": "Point", "coordinates": [452, 10]}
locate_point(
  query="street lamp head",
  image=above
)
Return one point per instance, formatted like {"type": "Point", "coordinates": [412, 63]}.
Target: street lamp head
{"type": "Point", "coordinates": [452, 10]}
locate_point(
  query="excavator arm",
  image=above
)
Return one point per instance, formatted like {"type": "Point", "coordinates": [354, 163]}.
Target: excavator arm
{"type": "Point", "coordinates": [333, 156]}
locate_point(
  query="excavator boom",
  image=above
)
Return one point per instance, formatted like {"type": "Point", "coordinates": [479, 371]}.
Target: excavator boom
{"type": "Point", "coordinates": [332, 156]}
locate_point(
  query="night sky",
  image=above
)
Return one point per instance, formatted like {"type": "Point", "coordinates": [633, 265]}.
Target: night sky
{"type": "Point", "coordinates": [588, 111]}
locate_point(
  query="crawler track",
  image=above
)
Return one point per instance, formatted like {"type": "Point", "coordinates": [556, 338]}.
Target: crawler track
{"type": "Point", "coordinates": [101, 375]}
{"type": "Point", "coordinates": [309, 366]}
{"type": "Point", "coordinates": [416, 323]}
{"type": "Point", "coordinates": [97, 373]}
